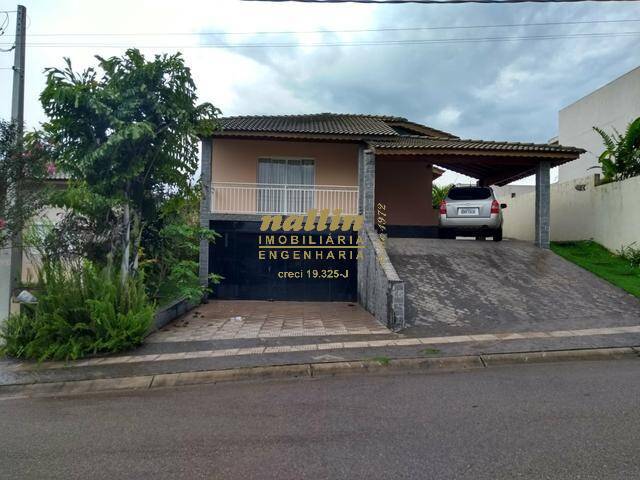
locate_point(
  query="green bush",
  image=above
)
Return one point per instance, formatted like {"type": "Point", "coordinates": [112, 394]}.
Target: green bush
{"type": "Point", "coordinates": [630, 254]}
{"type": "Point", "coordinates": [81, 310]}
{"type": "Point", "coordinates": [439, 193]}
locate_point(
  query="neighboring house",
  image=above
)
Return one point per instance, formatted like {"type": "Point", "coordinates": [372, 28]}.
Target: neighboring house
{"type": "Point", "coordinates": [27, 269]}
{"type": "Point", "coordinates": [612, 106]}
{"type": "Point", "coordinates": [581, 208]}
{"type": "Point", "coordinates": [364, 164]}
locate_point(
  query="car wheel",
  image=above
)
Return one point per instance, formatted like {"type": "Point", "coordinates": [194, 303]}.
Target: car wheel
{"type": "Point", "coordinates": [497, 237]}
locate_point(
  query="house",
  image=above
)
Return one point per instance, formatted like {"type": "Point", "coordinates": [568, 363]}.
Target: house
{"type": "Point", "coordinates": [582, 207]}
{"type": "Point", "coordinates": [23, 263]}
{"type": "Point", "coordinates": [380, 167]}
{"type": "Point", "coordinates": [612, 106]}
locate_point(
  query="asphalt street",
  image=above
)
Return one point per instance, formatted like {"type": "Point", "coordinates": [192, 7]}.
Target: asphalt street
{"type": "Point", "coordinates": [555, 421]}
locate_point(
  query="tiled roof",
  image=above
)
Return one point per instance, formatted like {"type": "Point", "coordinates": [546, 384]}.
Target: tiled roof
{"type": "Point", "coordinates": [416, 142]}
{"type": "Point", "coordinates": [324, 124]}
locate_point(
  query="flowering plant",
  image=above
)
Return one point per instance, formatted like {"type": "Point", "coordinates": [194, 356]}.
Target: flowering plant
{"type": "Point", "coordinates": [24, 165]}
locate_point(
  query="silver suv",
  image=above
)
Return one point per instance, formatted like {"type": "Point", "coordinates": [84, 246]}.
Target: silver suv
{"type": "Point", "coordinates": [471, 211]}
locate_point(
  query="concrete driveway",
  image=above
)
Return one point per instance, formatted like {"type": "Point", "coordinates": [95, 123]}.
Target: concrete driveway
{"type": "Point", "coordinates": [467, 286]}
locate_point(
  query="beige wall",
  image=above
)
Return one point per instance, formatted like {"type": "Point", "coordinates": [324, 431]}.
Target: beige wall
{"type": "Point", "coordinates": [614, 105]}
{"type": "Point", "coordinates": [30, 256]}
{"type": "Point", "coordinates": [237, 160]}
{"type": "Point", "coordinates": [404, 186]}
{"type": "Point", "coordinates": [608, 214]}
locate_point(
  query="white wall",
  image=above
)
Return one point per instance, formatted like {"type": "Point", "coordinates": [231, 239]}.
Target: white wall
{"type": "Point", "coordinates": [614, 105]}
{"type": "Point", "coordinates": [506, 193]}
{"type": "Point", "coordinates": [608, 214]}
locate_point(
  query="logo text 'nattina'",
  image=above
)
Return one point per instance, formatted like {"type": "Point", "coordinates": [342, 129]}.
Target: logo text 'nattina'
{"type": "Point", "coordinates": [313, 220]}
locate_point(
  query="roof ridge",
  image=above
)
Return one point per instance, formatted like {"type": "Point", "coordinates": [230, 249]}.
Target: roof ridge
{"type": "Point", "coordinates": [426, 137]}
{"type": "Point", "coordinates": [320, 114]}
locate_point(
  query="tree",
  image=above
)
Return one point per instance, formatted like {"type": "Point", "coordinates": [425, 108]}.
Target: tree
{"type": "Point", "coordinates": [23, 167]}
{"type": "Point", "coordinates": [439, 193]}
{"type": "Point", "coordinates": [621, 157]}
{"type": "Point", "coordinates": [127, 133]}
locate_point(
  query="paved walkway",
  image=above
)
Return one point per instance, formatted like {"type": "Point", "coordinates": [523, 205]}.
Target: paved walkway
{"type": "Point", "coordinates": [230, 319]}
{"type": "Point", "coordinates": [200, 356]}
{"type": "Point", "coordinates": [304, 345]}
{"type": "Point", "coordinates": [458, 287]}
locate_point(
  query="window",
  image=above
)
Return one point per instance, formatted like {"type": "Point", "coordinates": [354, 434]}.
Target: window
{"type": "Point", "coordinates": [285, 185]}
{"type": "Point", "coordinates": [469, 193]}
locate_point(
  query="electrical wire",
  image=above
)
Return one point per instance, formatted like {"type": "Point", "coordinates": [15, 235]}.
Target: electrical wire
{"type": "Point", "coordinates": [363, 30]}
{"type": "Point", "coordinates": [5, 23]}
{"type": "Point", "coordinates": [426, 41]}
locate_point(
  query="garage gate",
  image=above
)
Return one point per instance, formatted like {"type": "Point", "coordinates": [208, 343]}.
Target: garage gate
{"type": "Point", "coordinates": [247, 277]}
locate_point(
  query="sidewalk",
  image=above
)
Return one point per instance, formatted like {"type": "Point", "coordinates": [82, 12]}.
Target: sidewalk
{"type": "Point", "coordinates": [165, 363]}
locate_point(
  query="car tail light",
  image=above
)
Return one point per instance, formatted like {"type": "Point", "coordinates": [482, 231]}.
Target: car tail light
{"type": "Point", "coordinates": [495, 207]}
{"type": "Point", "coordinates": [443, 207]}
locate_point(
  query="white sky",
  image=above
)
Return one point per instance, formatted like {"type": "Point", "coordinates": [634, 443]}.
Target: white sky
{"type": "Point", "coordinates": [506, 91]}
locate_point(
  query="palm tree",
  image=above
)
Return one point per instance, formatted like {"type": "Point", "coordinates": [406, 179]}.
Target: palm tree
{"type": "Point", "coordinates": [439, 193]}
{"type": "Point", "coordinates": [621, 157]}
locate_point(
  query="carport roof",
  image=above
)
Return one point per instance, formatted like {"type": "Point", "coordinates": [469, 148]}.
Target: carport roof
{"type": "Point", "coordinates": [495, 163]}
{"type": "Point", "coordinates": [417, 142]}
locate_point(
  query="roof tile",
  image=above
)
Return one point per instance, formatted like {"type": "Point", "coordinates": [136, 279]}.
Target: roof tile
{"type": "Point", "coordinates": [321, 123]}
{"type": "Point", "coordinates": [416, 142]}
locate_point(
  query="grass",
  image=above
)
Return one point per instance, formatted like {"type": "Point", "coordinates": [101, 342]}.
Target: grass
{"type": "Point", "coordinates": [598, 260]}
{"type": "Point", "coordinates": [382, 360]}
{"type": "Point", "coordinates": [429, 351]}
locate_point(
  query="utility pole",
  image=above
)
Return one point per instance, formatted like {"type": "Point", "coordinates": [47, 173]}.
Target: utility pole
{"type": "Point", "coordinates": [14, 270]}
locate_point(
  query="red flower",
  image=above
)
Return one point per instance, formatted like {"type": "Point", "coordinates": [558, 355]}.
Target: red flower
{"type": "Point", "coordinates": [51, 168]}
{"type": "Point", "coordinates": [3, 223]}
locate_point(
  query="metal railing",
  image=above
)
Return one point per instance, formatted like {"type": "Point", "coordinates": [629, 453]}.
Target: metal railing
{"type": "Point", "coordinates": [271, 198]}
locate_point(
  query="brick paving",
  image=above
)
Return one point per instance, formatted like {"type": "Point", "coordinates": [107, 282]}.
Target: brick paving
{"type": "Point", "coordinates": [467, 286]}
{"type": "Point", "coordinates": [372, 346]}
{"type": "Point", "coordinates": [234, 319]}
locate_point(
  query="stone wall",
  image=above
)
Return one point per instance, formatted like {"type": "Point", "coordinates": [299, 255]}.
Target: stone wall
{"type": "Point", "coordinates": [380, 290]}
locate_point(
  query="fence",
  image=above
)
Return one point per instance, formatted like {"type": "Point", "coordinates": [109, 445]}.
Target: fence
{"type": "Point", "coordinates": [263, 198]}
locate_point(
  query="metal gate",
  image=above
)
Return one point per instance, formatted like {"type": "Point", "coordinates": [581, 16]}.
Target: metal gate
{"type": "Point", "coordinates": [235, 256]}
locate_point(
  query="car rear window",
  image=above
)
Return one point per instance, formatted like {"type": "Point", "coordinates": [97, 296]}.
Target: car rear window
{"type": "Point", "coordinates": [470, 193]}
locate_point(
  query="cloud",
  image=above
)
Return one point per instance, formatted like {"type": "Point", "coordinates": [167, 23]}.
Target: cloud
{"type": "Point", "coordinates": [448, 116]}
{"type": "Point", "coordinates": [492, 90]}
{"type": "Point", "coordinates": [508, 90]}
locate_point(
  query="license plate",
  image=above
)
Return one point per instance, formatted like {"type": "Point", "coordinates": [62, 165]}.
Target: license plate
{"type": "Point", "coordinates": [467, 211]}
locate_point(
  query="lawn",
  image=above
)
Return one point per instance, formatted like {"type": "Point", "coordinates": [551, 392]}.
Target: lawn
{"type": "Point", "coordinates": [594, 257]}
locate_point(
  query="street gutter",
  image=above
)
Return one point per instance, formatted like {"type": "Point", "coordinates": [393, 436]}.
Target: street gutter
{"type": "Point", "coordinates": [315, 370]}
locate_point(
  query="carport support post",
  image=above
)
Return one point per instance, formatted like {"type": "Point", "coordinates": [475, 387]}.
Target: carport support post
{"type": "Point", "coordinates": [206, 159]}
{"type": "Point", "coordinates": [543, 204]}
{"type": "Point", "coordinates": [368, 182]}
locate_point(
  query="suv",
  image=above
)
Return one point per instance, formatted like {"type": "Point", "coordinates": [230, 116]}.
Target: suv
{"type": "Point", "coordinates": [471, 211]}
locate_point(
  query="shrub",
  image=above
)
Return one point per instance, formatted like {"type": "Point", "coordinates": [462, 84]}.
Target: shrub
{"type": "Point", "coordinates": [621, 157]}
{"type": "Point", "coordinates": [81, 310]}
{"type": "Point", "coordinates": [439, 193]}
{"type": "Point", "coordinates": [630, 254]}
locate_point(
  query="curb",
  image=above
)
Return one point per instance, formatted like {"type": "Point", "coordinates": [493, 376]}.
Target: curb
{"type": "Point", "coordinates": [330, 369]}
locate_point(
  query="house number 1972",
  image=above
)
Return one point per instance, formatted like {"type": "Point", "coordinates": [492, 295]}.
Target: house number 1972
{"type": "Point", "coordinates": [381, 222]}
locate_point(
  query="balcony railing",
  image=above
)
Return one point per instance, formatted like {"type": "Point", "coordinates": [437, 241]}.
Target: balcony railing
{"type": "Point", "coordinates": [271, 198]}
